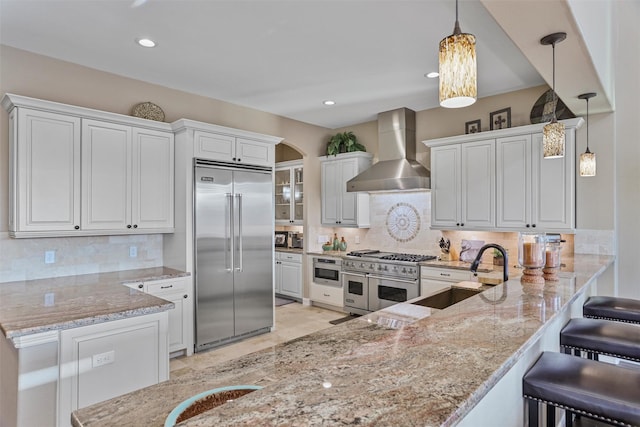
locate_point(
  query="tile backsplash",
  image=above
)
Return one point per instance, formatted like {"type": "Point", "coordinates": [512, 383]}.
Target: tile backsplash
{"type": "Point", "coordinates": [24, 259]}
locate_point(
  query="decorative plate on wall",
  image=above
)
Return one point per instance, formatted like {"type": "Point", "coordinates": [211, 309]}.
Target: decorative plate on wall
{"type": "Point", "coordinates": [403, 222]}
{"type": "Point", "coordinates": [148, 110]}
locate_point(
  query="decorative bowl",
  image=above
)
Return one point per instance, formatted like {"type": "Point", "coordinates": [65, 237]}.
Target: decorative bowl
{"type": "Point", "coordinates": [327, 247]}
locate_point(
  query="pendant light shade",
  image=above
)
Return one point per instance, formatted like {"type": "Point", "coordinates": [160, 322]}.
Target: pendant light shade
{"type": "Point", "coordinates": [553, 132]}
{"type": "Point", "coordinates": [458, 69]}
{"type": "Point", "coordinates": [587, 159]}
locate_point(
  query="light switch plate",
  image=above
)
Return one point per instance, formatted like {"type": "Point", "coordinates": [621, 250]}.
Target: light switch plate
{"type": "Point", "coordinates": [49, 257]}
{"type": "Point", "coordinates": [133, 251]}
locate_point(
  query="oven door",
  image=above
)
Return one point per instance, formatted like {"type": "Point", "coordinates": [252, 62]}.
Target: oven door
{"type": "Point", "coordinates": [385, 291]}
{"type": "Point", "coordinates": [326, 272]}
{"type": "Point", "coordinates": [356, 292]}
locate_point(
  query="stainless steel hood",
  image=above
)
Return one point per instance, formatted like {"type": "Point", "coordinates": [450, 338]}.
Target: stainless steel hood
{"type": "Point", "coordinates": [397, 168]}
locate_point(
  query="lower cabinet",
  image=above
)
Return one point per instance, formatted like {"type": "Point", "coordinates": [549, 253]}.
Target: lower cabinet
{"type": "Point", "coordinates": [106, 360]}
{"type": "Point", "coordinates": [436, 279]}
{"type": "Point", "coordinates": [179, 292]}
{"type": "Point", "coordinates": [288, 274]}
{"type": "Point", "coordinates": [331, 295]}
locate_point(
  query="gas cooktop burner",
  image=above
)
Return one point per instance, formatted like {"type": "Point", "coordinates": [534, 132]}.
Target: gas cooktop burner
{"type": "Point", "coordinates": [408, 257]}
{"type": "Point", "coordinates": [390, 256]}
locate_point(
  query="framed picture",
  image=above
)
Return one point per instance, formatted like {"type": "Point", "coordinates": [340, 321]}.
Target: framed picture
{"type": "Point", "coordinates": [472, 126]}
{"type": "Point", "coordinates": [500, 119]}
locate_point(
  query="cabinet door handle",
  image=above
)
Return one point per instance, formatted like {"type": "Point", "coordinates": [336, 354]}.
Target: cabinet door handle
{"type": "Point", "coordinates": [457, 224]}
{"type": "Point", "coordinates": [527, 225]}
{"type": "Point", "coordinates": [234, 159]}
{"type": "Point", "coordinates": [462, 224]}
{"type": "Point", "coordinates": [135, 225]}
{"type": "Point", "coordinates": [77, 227]}
{"type": "Point", "coordinates": [239, 159]}
{"type": "Point", "coordinates": [128, 225]}
{"type": "Point", "coordinates": [533, 225]}
{"type": "Point", "coordinates": [186, 296]}
{"type": "Point", "coordinates": [166, 287]}
{"type": "Point", "coordinates": [140, 286]}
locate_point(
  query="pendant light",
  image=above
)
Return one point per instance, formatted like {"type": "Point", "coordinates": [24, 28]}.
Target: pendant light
{"type": "Point", "coordinates": [458, 69]}
{"type": "Point", "coordinates": [553, 132]}
{"type": "Point", "coordinates": [587, 159]}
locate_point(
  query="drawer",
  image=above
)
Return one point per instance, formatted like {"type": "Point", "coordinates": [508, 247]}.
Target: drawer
{"type": "Point", "coordinates": [326, 294]}
{"type": "Point", "coordinates": [286, 256]}
{"type": "Point", "coordinates": [165, 286]}
{"type": "Point", "coordinates": [446, 274]}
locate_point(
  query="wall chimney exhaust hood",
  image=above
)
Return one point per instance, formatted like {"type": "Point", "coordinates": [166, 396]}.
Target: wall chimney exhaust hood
{"type": "Point", "coordinates": [397, 168]}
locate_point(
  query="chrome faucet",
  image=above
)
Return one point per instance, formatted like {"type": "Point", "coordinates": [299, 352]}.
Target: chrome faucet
{"type": "Point", "coordinates": [476, 262]}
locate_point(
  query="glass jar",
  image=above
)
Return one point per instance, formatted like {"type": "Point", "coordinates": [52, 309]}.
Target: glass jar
{"type": "Point", "coordinates": [552, 255]}
{"type": "Point", "coordinates": [531, 250]}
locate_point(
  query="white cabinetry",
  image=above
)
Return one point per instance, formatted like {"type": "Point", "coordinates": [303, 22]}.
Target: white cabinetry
{"type": "Point", "coordinates": [339, 207]}
{"type": "Point", "coordinates": [106, 360]}
{"type": "Point", "coordinates": [76, 171]}
{"type": "Point", "coordinates": [229, 148]}
{"type": "Point", "coordinates": [463, 185]}
{"type": "Point", "coordinates": [534, 192]}
{"type": "Point", "coordinates": [179, 292]}
{"type": "Point", "coordinates": [288, 274]}
{"type": "Point", "coordinates": [127, 177]}
{"type": "Point", "coordinates": [513, 189]}
{"type": "Point", "coordinates": [44, 171]}
{"type": "Point", "coordinates": [289, 193]}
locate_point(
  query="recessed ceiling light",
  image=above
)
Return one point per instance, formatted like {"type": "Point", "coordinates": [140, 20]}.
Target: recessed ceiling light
{"type": "Point", "coordinates": [329, 102]}
{"type": "Point", "coordinates": [146, 42]}
{"type": "Point", "coordinates": [432, 75]}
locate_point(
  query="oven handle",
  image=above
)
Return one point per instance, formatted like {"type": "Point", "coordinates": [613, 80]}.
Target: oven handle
{"type": "Point", "coordinates": [342, 273]}
{"type": "Point", "coordinates": [393, 279]}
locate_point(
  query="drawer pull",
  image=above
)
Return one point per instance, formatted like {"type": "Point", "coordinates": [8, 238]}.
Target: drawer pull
{"type": "Point", "coordinates": [445, 274]}
{"type": "Point", "coordinates": [166, 287]}
{"type": "Point", "coordinates": [326, 295]}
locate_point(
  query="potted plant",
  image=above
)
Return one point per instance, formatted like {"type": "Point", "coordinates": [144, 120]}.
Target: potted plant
{"type": "Point", "coordinates": [344, 142]}
{"type": "Point", "coordinates": [498, 259]}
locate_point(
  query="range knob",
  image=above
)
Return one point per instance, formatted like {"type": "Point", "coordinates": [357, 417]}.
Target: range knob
{"type": "Point", "coordinates": [404, 270]}
{"type": "Point", "coordinates": [385, 268]}
{"type": "Point", "coordinates": [362, 265]}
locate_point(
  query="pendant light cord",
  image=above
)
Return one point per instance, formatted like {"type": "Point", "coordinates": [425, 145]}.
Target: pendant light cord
{"type": "Point", "coordinates": [588, 125]}
{"type": "Point", "coordinates": [456, 27]}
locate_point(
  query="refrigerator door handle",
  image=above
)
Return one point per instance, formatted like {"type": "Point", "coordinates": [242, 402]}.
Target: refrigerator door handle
{"type": "Point", "coordinates": [229, 261]}
{"type": "Point", "coordinates": [239, 197]}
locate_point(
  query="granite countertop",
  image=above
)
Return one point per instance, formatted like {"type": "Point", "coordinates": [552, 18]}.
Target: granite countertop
{"type": "Point", "coordinates": [33, 306]}
{"type": "Point", "coordinates": [385, 368]}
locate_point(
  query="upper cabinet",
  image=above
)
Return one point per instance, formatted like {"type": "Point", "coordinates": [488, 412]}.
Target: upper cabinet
{"type": "Point", "coordinates": [228, 148]}
{"type": "Point", "coordinates": [498, 180]}
{"type": "Point", "coordinates": [77, 171]}
{"type": "Point", "coordinates": [463, 185]}
{"type": "Point", "coordinates": [289, 193]}
{"type": "Point", "coordinates": [44, 172]}
{"type": "Point", "coordinates": [339, 207]}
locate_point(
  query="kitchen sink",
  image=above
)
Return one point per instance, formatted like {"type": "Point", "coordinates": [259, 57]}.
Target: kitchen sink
{"type": "Point", "coordinates": [447, 298]}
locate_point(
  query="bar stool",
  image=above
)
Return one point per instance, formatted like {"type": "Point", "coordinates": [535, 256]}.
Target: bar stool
{"type": "Point", "coordinates": [596, 336]}
{"type": "Point", "coordinates": [612, 308]}
{"type": "Point", "coordinates": [596, 390]}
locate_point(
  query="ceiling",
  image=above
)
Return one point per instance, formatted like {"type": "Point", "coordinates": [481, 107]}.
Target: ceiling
{"type": "Point", "coordinates": [282, 57]}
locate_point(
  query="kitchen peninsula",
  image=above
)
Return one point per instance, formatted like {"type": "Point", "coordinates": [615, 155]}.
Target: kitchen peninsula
{"type": "Point", "coordinates": [398, 366]}
{"type": "Point", "coordinates": [69, 342]}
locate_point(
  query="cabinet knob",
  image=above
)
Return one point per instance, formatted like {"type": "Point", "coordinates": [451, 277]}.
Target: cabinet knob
{"type": "Point", "coordinates": [140, 286]}
{"type": "Point", "coordinates": [239, 159]}
{"type": "Point", "coordinates": [186, 296]}
{"type": "Point", "coordinates": [462, 224]}
{"type": "Point", "coordinates": [533, 225]}
{"type": "Point", "coordinates": [128, 225]}
{"type": "Point", "coordinates": [234, 159]}
{"type": "Point", "coordinates": [457, 224]}
{"type": "Point", "coordinates": [135, 225]}
{"type": "Point", "coordinates": [527, 226]}
{"type": "Point", "coordinates": [77, 227]}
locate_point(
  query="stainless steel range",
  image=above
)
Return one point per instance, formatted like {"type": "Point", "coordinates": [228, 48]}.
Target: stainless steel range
{"type": "Point", "coordinates": [373, 280]}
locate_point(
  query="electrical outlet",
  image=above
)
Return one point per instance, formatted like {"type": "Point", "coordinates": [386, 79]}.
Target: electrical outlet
{"type": "Point", "coordinates": [49, 299]}
{"type": "Point", "coordinates": [357, 239]}
{"type": "Point", "coordinates": [103, 359]}
{"type": "Point", "coordinates": [49, 257]}
{"type": "Point", "coordinates": [323, 238]}
{"type": "Point", "coordinates": [133, 251]}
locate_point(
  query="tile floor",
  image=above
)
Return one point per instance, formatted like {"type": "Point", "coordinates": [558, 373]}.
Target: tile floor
{"type": "Point", "coordinates": [292, 321]}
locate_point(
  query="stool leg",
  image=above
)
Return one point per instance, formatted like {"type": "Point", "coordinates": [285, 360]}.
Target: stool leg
{"type": "Point", "coordinates": [533, 412]}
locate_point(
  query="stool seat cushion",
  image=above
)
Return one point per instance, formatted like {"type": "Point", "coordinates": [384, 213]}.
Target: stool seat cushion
{"type": "Point", "coordinates": [603, 337]}
{"type": "Point", "coordinates": [612, 308]}
{"type": "Point", "coordinates": [595, 389]}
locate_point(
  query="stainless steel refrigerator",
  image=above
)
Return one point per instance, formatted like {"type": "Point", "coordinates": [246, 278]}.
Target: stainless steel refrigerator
{"type": "Point", "coordinates": [233, 252]}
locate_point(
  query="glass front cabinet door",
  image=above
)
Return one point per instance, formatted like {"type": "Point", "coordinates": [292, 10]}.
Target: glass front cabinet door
{"type": "Point", "coordinates": [289, 194]}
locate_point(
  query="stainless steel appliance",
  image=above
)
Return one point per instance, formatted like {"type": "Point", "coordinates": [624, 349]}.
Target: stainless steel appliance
{"type": "Point", "coordinates": [297, 240]}
{"type": "Point", "coordinates": [326, 271]}
{"type": "Point", "coordinates": [233, 252]}
{"type": "Point", "coordinates": [373, 280]}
